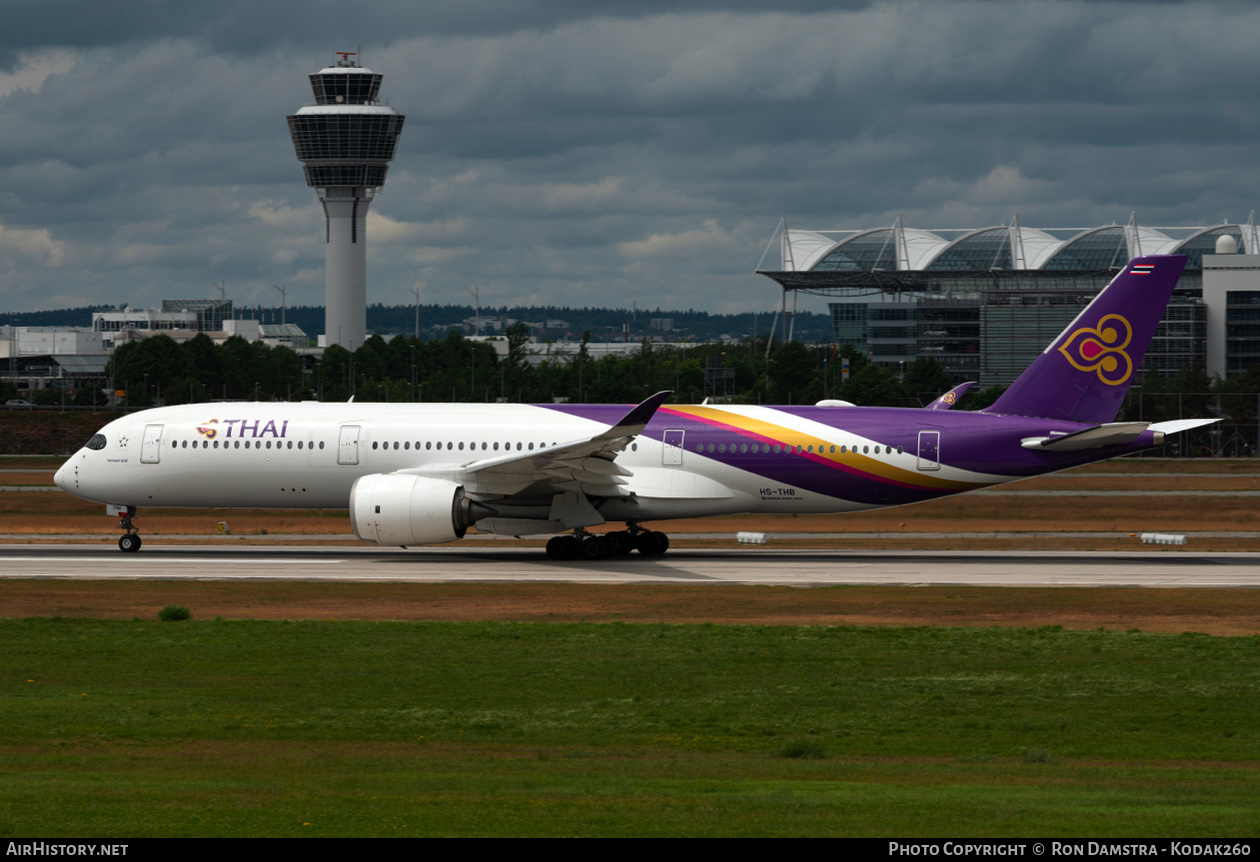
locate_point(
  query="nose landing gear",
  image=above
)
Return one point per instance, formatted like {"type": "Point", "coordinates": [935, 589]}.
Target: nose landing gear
{"type": "Point", "coordinates": [128, 543]}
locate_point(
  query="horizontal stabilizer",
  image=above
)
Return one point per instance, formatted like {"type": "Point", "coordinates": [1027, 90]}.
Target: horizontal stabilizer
{"type": "Point", "coordinates": [1110, 434]}
{"type": "Point", "coordinates": [1176, 426]}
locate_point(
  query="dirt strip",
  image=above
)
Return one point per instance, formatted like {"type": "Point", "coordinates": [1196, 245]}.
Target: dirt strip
{"type": "Point", "coordinates": [1215, 611]}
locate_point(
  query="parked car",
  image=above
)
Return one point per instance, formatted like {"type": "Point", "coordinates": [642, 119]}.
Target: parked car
{"type": "Point", "coordinates": [18, 402]}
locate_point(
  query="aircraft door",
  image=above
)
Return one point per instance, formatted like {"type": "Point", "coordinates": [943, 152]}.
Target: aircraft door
{"type": "Point", "coordinates": [672, 450]}
{"type": "Point", "coordinates": [348, 445]}
{"type": "Point", "coordinates": [929, 450]}
{"type": "Point", "coordinates": [151, 448]}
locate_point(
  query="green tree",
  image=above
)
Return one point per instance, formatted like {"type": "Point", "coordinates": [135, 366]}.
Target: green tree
{"type": "Point", "coordinates": [874, 386]}
{"type": "Point", "coordinates": [793, 368]}
{"type": "Point", "coordinates": [925, 381]}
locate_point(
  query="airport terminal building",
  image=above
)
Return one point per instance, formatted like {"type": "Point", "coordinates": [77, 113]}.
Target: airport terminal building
{"type": "Point", "coordinates": [985, 302]}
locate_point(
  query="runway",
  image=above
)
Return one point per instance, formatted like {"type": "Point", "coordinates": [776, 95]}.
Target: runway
{"type": "Point", "coordinates": [763, 566]}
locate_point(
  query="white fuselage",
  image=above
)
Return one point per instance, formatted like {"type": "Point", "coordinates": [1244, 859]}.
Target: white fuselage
{"type": "Point", "coordinates": [308, 455]}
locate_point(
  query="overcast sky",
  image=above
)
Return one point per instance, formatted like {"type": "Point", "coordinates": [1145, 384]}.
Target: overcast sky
{"type": "Point", "coordinates": [585, 153]}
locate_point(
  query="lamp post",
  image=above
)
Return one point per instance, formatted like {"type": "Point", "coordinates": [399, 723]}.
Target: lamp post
{"type": "Point", "coordinates": [280, 287]}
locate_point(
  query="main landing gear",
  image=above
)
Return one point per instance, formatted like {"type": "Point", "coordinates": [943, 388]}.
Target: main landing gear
{"type": "Point", "coordinates": [587, 546]}
{"type": "Point", "coordinates": [128, 543]}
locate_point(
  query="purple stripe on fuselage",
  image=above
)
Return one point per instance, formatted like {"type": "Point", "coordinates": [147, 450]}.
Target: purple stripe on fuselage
{"type": "Point", "coordinates": [976, 442]}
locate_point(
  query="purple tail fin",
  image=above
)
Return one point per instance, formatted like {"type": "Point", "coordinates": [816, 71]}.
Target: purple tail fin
{"type": "Point", "coordinates": [1085, 373]}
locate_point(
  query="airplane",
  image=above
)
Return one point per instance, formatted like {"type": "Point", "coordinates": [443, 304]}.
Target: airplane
{"type": "Point", "coordinates": [419, 474]}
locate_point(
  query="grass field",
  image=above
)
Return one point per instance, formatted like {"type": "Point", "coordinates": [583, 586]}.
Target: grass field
{"type": "Point", "coordinates": [243, 727]}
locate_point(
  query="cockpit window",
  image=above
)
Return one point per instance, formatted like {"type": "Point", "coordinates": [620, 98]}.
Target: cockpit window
{"type": "Point", "coordinates": [97, 442]}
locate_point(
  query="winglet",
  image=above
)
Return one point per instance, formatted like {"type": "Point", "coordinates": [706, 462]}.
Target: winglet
{"type": "Point", "coordinates": [634, 421]}
{"type": "Point", "coordinates": [952, 397]}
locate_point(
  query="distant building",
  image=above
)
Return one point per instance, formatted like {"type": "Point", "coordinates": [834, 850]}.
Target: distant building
{"type": "Point", "coordinates": [986, 303]}
{"type": "Point", "coordinates": [1231, 291]}
{"type": "Point", "coordinates": [184, 319]}
{"type": "Point", "coordinates": [49, 341]}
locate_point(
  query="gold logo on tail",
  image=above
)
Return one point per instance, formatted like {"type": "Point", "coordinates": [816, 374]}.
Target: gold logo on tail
{"type": "Point", "coordinates": [1101, 349]}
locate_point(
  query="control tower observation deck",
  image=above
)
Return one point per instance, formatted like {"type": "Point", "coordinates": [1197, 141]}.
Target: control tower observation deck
{"type": "Point", "coordinates": [345, 142]}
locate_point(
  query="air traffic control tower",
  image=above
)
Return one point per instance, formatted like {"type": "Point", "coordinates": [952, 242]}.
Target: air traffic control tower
{"type": "Point", "coordinates": [345, 142]}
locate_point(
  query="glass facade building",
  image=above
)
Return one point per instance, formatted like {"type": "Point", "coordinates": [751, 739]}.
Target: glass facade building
{"type": "Point", "coordinates": [986, 303]}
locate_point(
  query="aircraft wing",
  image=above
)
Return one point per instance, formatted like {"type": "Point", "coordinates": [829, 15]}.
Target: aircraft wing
{"type": "Point", "coordinates": [587, 466]}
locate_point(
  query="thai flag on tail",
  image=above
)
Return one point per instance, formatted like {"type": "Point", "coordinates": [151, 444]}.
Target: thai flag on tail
{"type": "Point", "coordinates": [1143, 269]}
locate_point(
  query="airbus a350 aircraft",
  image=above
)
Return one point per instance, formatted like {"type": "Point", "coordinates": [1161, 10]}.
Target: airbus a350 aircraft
{"type": "Point", "coordinates": [415, 474]}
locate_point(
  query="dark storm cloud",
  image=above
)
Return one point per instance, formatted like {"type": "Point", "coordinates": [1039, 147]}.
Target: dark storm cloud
{"type": "Point", "coordinates": [596, 153]}
{"type": "Point", "coordinates": [248, 26]}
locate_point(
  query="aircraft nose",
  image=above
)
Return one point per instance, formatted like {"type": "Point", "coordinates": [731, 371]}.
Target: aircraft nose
{"type": "Point", "coordinates": [62, 478]}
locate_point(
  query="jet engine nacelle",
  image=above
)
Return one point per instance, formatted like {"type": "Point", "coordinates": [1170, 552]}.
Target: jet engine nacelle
{"type": "Point", "coordinates": [396, 509]}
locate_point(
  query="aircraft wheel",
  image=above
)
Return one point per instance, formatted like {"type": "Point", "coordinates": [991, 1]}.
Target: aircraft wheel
{"type": "Point", "coordinates": [561, 548]}
{"type": "Point", "coordinates": [594, 548]}
{"type": "Point", "coordinates": [653, 544]}
{"type": "Point", "coordinates": [624, 542]}
{"type": "Point", "coordinates": [129, 543]}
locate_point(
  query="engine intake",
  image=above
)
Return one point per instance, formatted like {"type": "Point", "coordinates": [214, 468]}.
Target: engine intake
{"type": "Point", "coordinates": [396, 509]}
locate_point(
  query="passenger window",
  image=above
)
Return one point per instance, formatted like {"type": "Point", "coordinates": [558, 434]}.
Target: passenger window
{"type": "Point", "coordinates": [395, 444]}
{"type": "Point", "coordinates": [321, 444]}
